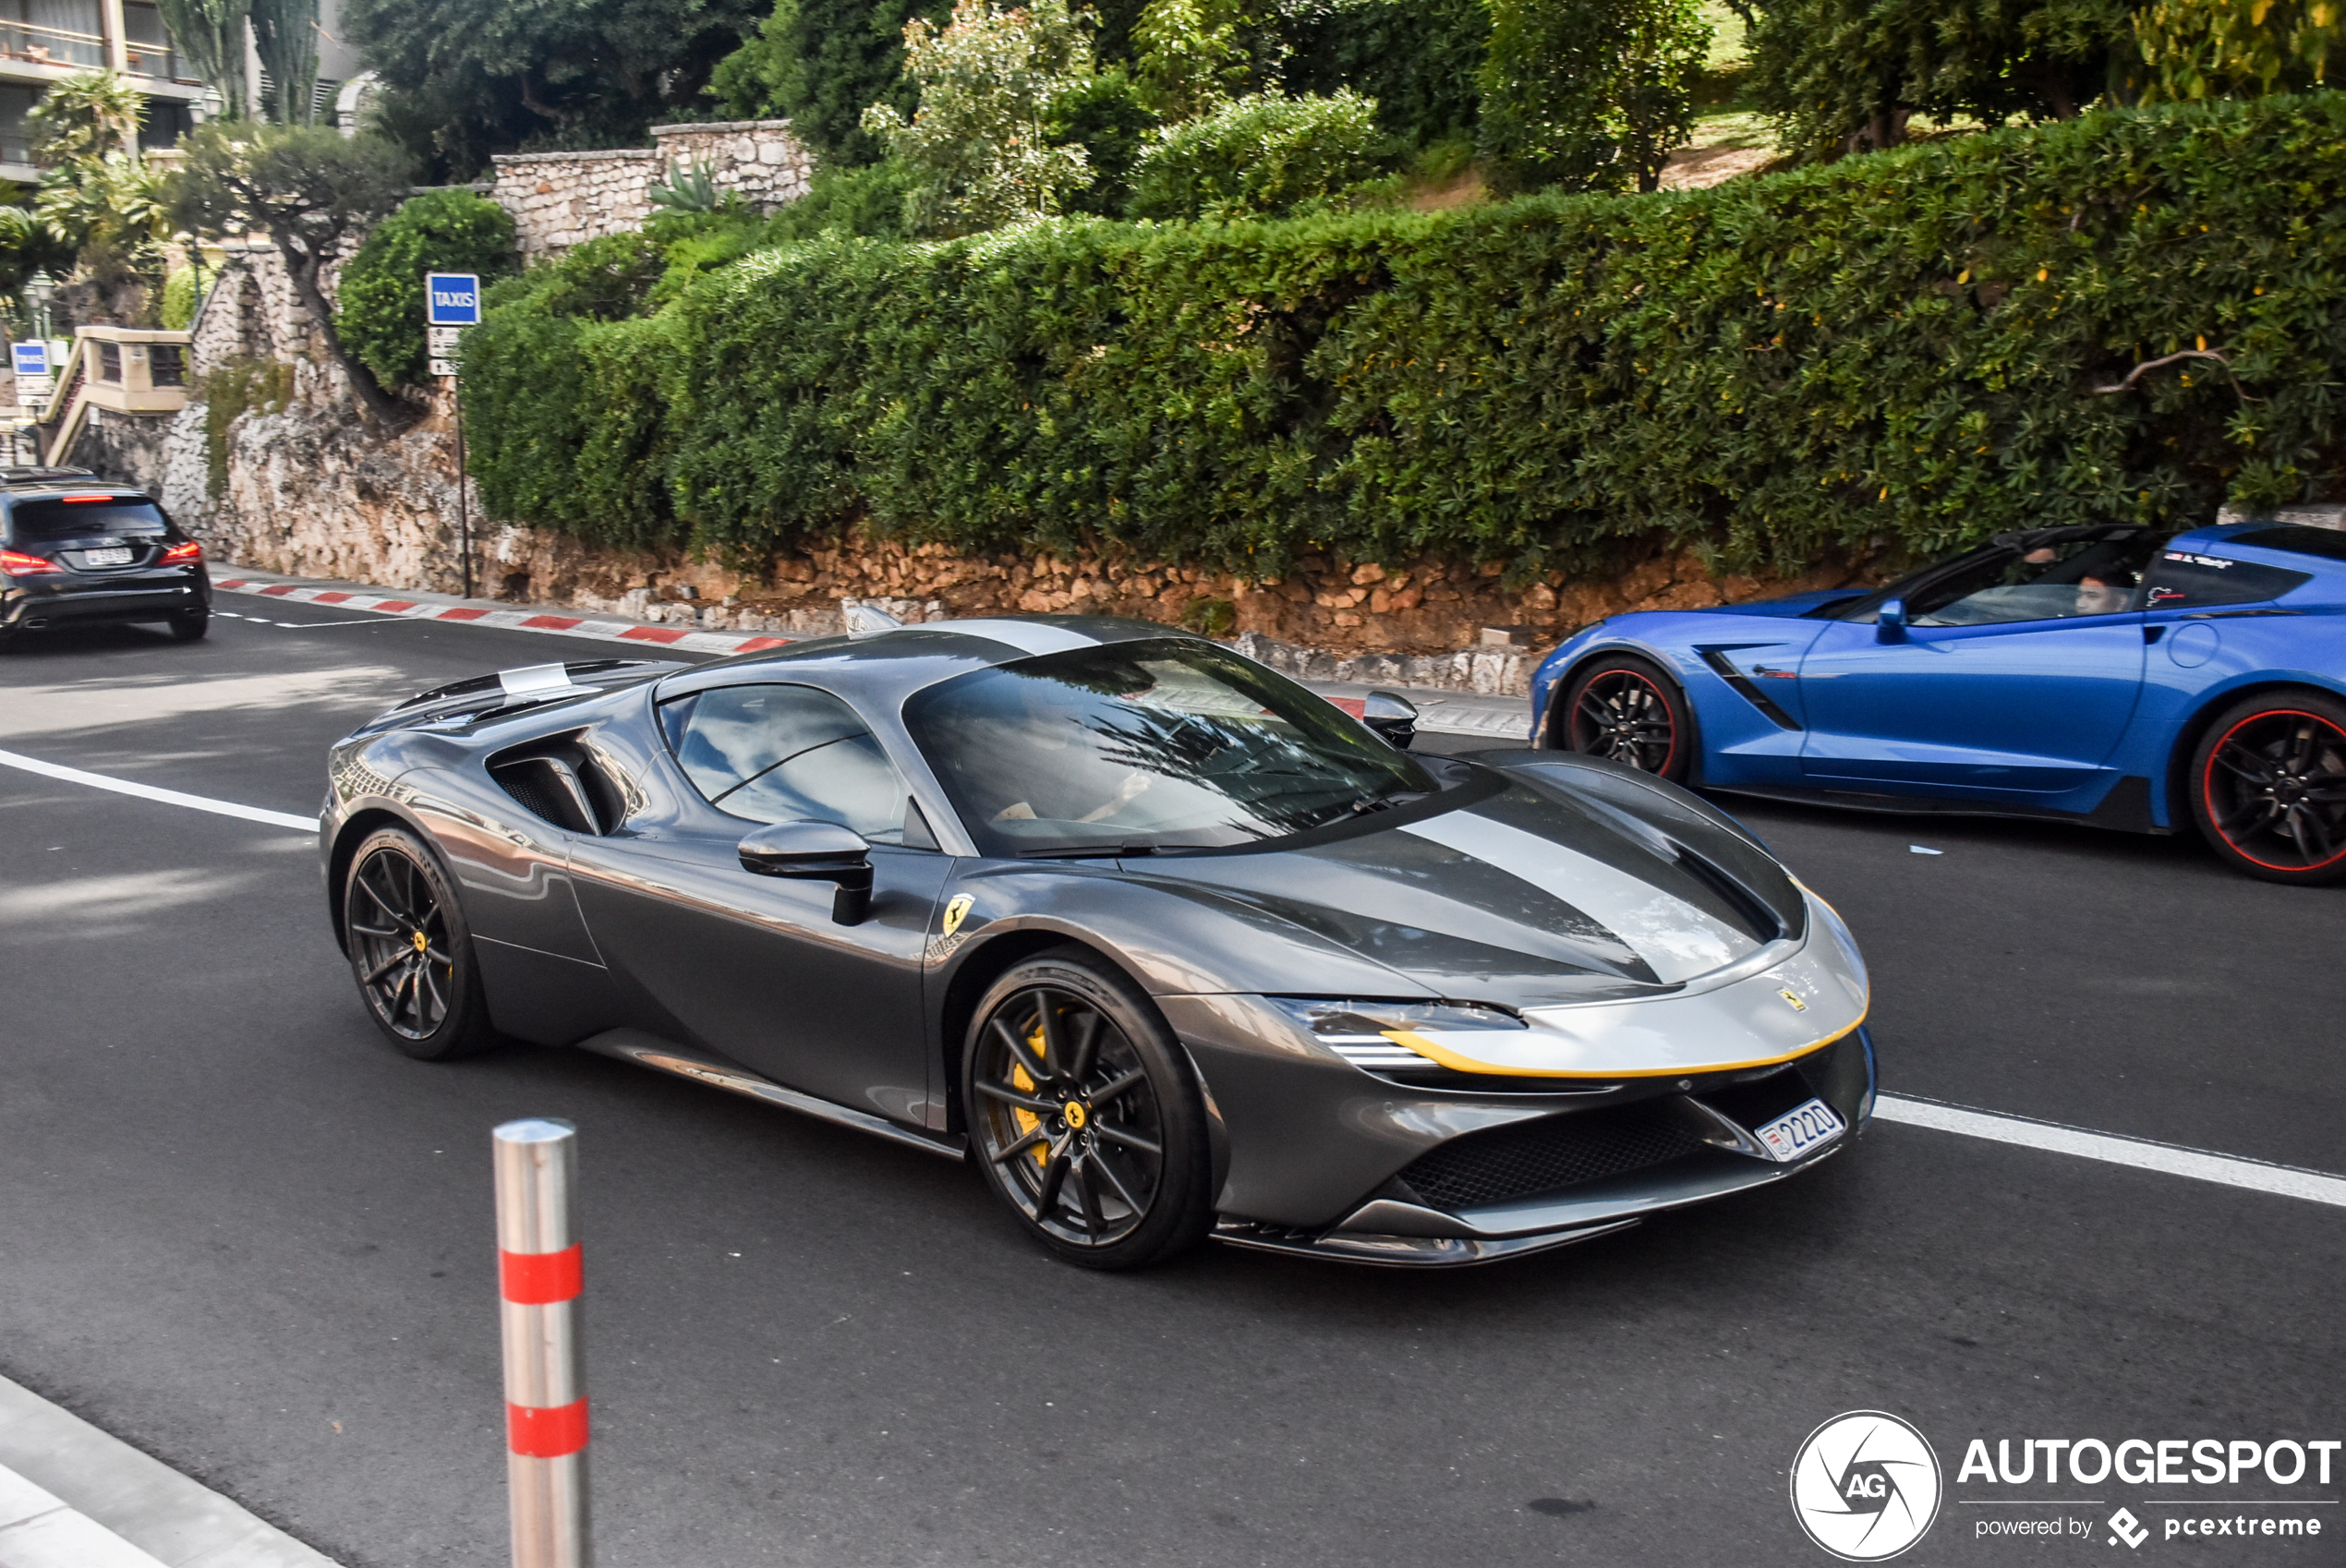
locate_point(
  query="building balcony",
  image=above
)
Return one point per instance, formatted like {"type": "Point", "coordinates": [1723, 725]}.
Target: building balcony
{"type": "Point", "coordinates": [22, 43]}
{"type": "Point", "coordinates": [44, 54]}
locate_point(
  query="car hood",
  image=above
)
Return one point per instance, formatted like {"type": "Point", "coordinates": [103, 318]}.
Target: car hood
{"type": "Point", "coordinates": [1566, 884]}
{"type": "Point", "coordinates": [1792, 607]}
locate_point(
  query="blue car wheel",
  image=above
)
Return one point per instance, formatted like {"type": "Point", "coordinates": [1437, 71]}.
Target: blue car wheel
{"type": "Point", "coordinates": [1625, 710]}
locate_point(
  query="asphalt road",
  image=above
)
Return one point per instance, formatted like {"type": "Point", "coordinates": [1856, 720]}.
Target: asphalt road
{"type": "Point", "coordinates": [238, 1230]}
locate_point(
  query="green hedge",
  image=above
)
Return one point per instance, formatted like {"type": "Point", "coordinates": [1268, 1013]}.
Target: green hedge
{"type": "Point", "coordinates": [380, 298]}
{"type": "Point", "coordinates": [1899, 348]}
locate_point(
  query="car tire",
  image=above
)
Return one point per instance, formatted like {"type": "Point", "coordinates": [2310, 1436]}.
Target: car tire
{"type": "Point", "coordinates": [2267, 787]}
{"type": "Point", "coordinates": [411, 951]}
{"type": "Point", "coordinates": [190, 628]}
{"type": "Point", "coordinates": [1625, 709]}
{"type": "Point", "coordinates": [1084, 1114]}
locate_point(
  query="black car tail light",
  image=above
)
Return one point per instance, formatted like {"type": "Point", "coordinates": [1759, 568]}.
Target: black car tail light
{"type": "Point", "coordinates": [180, 553]}
{"type": "Point", "coordinates": [15, 563]}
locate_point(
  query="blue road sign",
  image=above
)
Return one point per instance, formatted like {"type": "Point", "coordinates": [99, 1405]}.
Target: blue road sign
{"type": "Point", "coordinates": [33, 358]}
{"type": "Point", "coordinates": [452, 299]}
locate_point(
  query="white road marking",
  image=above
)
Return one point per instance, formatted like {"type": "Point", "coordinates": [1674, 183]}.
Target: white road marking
{"type": "Point", "coordinates": [2228, 1170]}
{"type": "Point", "coordinates": [168, 797]}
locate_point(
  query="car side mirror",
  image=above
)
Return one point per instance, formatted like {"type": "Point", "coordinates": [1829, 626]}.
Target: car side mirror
{"type": "Point", "coordinates": [1889, 622]}
{"type": "Point", "coordinates": [1392, 715]}
{"type": "Point", "coordinates": [815, 852]}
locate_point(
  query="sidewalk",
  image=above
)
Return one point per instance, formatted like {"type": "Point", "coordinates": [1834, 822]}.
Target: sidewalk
{"type": "Point", "coordinates": [73, 1496]}
{"type": "Point", "coordinates": [1504, 721]}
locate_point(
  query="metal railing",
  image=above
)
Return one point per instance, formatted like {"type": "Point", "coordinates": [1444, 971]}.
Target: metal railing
{"type": "Point", "coordinates": [51, 46]}
{"type": "Point", "coordinates": [149, 59]}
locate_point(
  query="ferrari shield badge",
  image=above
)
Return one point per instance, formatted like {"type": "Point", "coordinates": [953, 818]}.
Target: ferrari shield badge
{"type": "Point", "coordinates": [956, 910]}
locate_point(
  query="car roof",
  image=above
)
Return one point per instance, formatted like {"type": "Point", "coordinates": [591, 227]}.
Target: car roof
{"type": "Point", "coordinates": [36, 484]}
{"type": "Point", "coordinates": [891, 665]}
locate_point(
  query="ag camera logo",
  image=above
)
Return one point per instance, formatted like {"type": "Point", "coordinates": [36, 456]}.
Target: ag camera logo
{"type": "Point", "coordinates": [1866, 1485]}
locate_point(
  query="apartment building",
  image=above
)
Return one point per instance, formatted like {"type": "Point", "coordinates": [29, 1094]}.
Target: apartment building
{"type": "Point", "coordinates": [45, 40]}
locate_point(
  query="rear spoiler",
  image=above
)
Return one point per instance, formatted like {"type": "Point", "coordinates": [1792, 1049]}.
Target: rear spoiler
{"type": "Point", "coordinates": [514, 691]}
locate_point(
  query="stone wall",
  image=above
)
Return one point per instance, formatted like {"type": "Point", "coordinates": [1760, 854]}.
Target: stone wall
{"type": "Point", "coordinates": [560, 200]}
{"type": "Point", "coordinates": [125, 447]}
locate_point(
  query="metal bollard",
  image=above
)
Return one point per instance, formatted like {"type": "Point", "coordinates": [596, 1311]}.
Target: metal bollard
{"type": "Point", "coordinates": [538, 1276]}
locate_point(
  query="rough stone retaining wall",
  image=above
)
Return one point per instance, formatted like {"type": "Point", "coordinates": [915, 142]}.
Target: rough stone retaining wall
{"type": "Point", "coordinates": [560, 200]}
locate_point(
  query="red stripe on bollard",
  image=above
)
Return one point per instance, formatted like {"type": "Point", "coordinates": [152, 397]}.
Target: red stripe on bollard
{"type": "Point", "coordinates": [537, 1279]}
{"type": "Point", "coordinates": [546, 1434]}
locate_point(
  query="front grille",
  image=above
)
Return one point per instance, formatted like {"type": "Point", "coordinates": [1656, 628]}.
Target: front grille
{"type": "Point", "coordinates": [1545, 1156]}
{"type": "Point", "coordinates": [1757, 1102]}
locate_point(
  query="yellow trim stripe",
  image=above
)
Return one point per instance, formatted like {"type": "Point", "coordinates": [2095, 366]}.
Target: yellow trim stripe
{"type": "Point", "coordinates": [1411, 1040]}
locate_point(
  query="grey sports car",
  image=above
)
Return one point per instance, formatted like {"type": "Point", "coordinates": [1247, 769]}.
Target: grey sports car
{"type": "Point", "coordinates": [1163, 944]}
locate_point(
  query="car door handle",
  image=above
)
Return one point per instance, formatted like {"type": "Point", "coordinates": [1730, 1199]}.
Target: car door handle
{"type": "Point", "coordinates": [2152, 634]}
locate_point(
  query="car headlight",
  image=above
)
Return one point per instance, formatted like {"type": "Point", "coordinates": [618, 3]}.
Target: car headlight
{"type": "Point", "coordinates": [1390, 1034]}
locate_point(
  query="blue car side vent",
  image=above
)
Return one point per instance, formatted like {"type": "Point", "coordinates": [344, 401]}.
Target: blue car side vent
{"type": "Point", "coordinates": [1745, 689]}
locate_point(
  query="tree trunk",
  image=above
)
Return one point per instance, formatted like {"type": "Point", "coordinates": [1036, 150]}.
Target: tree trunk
{"type": "Point", "coordinates": [302, 268]}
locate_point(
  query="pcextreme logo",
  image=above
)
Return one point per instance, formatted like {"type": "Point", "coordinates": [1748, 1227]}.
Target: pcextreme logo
{"type": "Point", "coordinates": [1866, 1485]}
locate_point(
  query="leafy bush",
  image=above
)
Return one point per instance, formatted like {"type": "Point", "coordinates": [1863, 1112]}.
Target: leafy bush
{"type": "Point", "coordinates": [1910, 346]}
{"type": "Point", "coordinates": [818, 63]}
{"type": "Point", "coordinates": [183, 288]}
{"type": "Point", "coordinates": [1844, 75]}
{"type": "Point", "coordinates": [1103, 116]}
{"type": "Point", "coordinates": [1418, 58]}
{"type": "Point", "coordinates": [979, 145]}
{"type": "Point", "coordinates": [1258, 156]}
{"type": "Point", "coordinates": [2212, 48]}
{"type": "Point", "coordinates": [1589, 94]}
{"type": "Point", "coordinates": [866, 203]}
{"type": "Point", "coordinates": [378, 305]}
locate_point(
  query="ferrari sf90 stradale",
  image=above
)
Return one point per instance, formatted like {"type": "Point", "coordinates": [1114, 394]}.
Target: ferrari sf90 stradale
{"type": "Point", "coordinates": [1163, 944]}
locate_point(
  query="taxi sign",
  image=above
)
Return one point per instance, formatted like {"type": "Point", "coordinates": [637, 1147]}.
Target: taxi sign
{"type": "Point", "coordinates": [452, 299]}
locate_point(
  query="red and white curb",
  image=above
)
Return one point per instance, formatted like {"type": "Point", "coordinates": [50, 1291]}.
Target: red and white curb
{"type": "Point", "coordinates": [510, 620]}
{"type": "Point", "coordinates": [1439, 714]}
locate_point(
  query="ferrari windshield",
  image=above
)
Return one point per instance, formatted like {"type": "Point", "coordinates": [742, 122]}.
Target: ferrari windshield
{"type": "Point", "coordinates": [1143, 746]}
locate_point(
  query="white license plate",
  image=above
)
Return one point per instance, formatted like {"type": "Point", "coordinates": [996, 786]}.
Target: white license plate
{"type": "Point", "coordinates": [1802, 1131]}
{"type": "Point", "coordinates": [117, 556]}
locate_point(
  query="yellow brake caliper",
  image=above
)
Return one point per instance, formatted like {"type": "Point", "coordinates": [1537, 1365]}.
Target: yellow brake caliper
{"type": "Point", "coordinates": [1027, 1120]}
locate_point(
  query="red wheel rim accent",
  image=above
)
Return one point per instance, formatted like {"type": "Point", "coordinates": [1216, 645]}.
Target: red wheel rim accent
{"type": "Point", "coordinates": [1611, 742]}
{"type": "Point", "coordinates": [2334, 746]}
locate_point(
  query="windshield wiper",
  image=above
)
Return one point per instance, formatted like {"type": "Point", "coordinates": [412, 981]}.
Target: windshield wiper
{"type": "Point", "coordinates": [1367, 803]}
{"type": "Point", "coordinates": [1087, 851]}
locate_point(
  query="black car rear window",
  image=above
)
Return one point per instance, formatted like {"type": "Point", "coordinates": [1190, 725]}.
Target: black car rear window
{"type": "Point", "coordinates": [68, 518]}
{"type": "Point", "coordinates": [2327, 542]}
{"type": "Point", "coordinates": [2182, 579]}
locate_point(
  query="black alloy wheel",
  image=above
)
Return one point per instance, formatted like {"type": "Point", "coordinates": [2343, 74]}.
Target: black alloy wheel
{"type": "Point", "coordinates": [188, 627]}
{"type": "Point", "coordinates": [411, 951]}
{"type": "Point", "coordinates": [2269, 787]}
{"type": "Point", "coordinates": [1084, 1116]}
{"type": "Point", "coordinates": [1625, 710]}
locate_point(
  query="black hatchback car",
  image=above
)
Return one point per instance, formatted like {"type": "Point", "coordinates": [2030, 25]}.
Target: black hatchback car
{"type": "Point", "coordinates": [76, 550]}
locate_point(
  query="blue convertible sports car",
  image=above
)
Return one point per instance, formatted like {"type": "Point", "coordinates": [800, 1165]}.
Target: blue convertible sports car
{"type": "Point", "coordinates": [2118, 676]}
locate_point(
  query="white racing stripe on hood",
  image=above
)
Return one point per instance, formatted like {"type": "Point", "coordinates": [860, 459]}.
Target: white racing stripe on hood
{"type": "Point", "coordinates": [1677, 940]}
